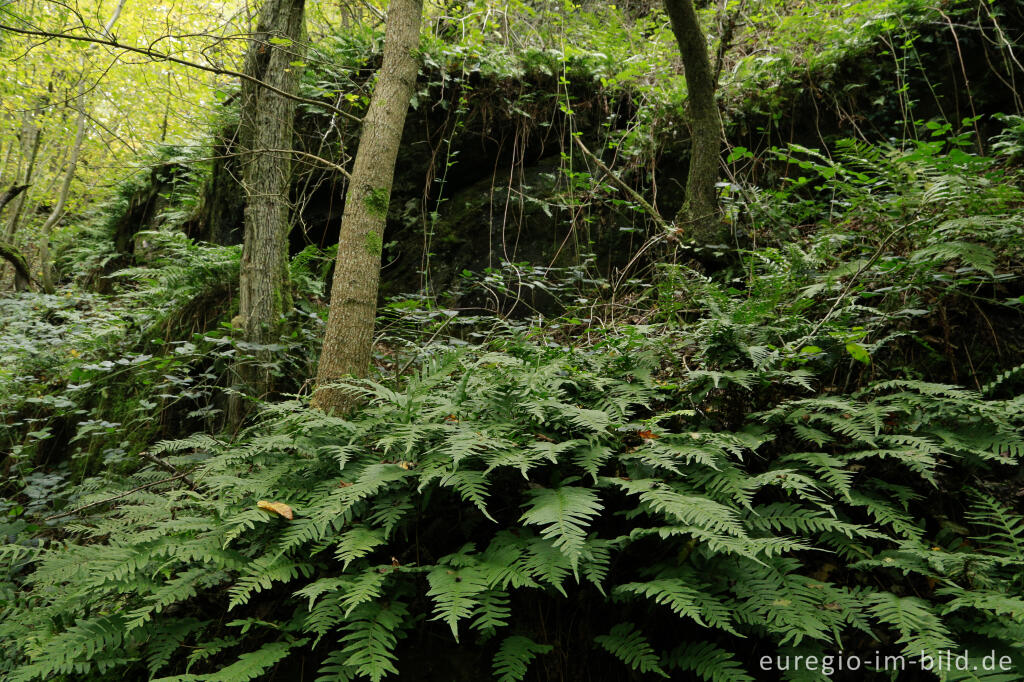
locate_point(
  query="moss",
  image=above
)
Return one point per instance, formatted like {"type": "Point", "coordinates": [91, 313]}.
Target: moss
{"type": "Point", "coordinates": [376, 202]}
{"type": "Point", "coordinates": [374, 244]}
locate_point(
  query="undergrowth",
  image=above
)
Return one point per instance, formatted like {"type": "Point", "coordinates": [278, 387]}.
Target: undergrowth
{"type": "Point", "coordinates": [802, 457]}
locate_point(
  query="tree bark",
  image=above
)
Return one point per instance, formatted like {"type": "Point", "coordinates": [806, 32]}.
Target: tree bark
{"type": "Point", "coordinates": [348, 339]}
{"type": "Point", "coordinates": [267, 120]}
{"type": "Point", "coordinates": [10, 193]}
{"type": "Point", "coordinates": [22, 276]}
{"type": "Point", "coordinates": [30, 138]}
{"type": "Point", "coordinates": [57, 213]}
{"type": "Point", "coordinates": [700, 209]}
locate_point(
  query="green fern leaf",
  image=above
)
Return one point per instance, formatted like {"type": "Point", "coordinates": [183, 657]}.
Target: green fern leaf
{"type": "Point", "coordinates": [564, 514]}
{"type": "Point", "coordinates": [514, 657]}
{"type": "Point", "coordinates": [630, 646]}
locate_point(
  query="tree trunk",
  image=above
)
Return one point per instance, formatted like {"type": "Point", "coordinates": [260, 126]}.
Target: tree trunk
{"type": "Point", "coordinates": [30, 137]}
{"type": "Point", "coordinates": [700, 209]}
{"type": "Point", "coordinates": [57, 213]}
{"type": "Point", "coordinates": [349, 335]}
{"type": "Point", "coordinates": [22, 276]}
{"type": "Point", "coordinates": [10, 193]}
{"type": "Point", "coordinates": [267, 120]}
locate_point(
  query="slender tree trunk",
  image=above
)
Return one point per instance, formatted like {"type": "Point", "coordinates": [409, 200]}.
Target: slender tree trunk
{"type": "Point", "coordinates": [114, 16]}
{"type": "Point", "coordinates": [8, 252]}
{"type": "Point", "coordinates": [267, 121]}
{"type": "Point", "coordinates": [700, 210]}
{"type": "Point", "coordinates": [22, 276]}
{"type": "Point", "coordinates": [81, 124]}
{"type": "Point", "coordinates": [30, 137]}
{"type": "Point", "coordinates": [57, 213]}
{"type": "Point", "coordinates": [29, 140]}
{"type": "Point", "coordinates": [349, 335]}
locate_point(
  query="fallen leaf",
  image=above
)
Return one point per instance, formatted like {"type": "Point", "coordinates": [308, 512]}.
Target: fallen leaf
{"type": "Point", "coordinates": [279, 508]}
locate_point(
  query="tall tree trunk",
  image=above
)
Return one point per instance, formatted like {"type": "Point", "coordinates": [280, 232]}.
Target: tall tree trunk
{"type": "Point", "coordinates": [700, 210]}
{"type": "Point", "coordinates": [349, 335]}
{"type": "Point", "coordinates": [267, 121]}
{"type": "Point", "coordinates": [30, 137]}
{"type": "Point", "coordinates": [81, 123]}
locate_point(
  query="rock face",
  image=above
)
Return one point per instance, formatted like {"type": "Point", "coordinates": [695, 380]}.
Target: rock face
{"type": "Point", "coordinates": [479, 182]}
{"type": "Point", "coordinates": [487, 172]}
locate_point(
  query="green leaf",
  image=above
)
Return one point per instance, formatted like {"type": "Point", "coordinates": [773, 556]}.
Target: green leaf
{"type": "Point", "coordinates": [859, 353]}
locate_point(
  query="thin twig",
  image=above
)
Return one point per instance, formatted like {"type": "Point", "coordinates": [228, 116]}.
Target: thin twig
{"type": "Point", "coordinates": [162, 57]}
{"type": "Point", "coordinates": [117, 497]}
{"type": "Point", "coordinates": [305, 155]}
{"type": "Point", "coordinates": [853, 280]}
{"type": "Point", "coordinates": [623, 186]}
{"type": "Point", "coordinates": [166, 466]}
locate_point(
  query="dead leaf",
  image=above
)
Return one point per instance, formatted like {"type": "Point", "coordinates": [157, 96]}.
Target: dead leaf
{"type": "Point", "coordinates": [279, 508]}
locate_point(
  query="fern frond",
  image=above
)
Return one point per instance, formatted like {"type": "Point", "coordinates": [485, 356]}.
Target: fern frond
{"type": "Point", "coordinates": [371, 633]}
{"type": "Point", "coordinates": [708, 662]}
{"type": "Point", "coordinates": [456, 593]}
{"type": "Point", "coordinates": [919, 628]}
{"type": "Point", "coordinates": [629, 645]}
{"type": "Point", "coordinates": [514, 656]}
{"type": "Point", "coordinates": [564, 514]}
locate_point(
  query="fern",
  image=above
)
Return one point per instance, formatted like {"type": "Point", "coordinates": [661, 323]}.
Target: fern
{"type": "Point", "coordinates": [686, 596]}
{"type": "Point", "coordinates": [629, 645]}
{"type": "Point", "coordinates": [707, 662]}
{"type": "Point", "coordinates": [370, 637]}
{"type": "Point", "coordinates": [455, 592]}
{"type": "Point", "coordinates": [514, 656]}
{"type": "Point", "coordinates": [563, 512]}
{"type": "Point", "coordinates": [1007, 528]}
{"type": "Point", "coordinates": [919, 628]}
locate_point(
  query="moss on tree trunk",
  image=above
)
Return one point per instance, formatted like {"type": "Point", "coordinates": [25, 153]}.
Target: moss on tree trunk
{"type": "Point", "coordinates": [349, 335]}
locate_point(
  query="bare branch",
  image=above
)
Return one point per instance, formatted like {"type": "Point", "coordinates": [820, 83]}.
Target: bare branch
{"type": "Point", "coordinates": [622, 185]}
{"type": "Point", "coordinates": [162, 57]}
